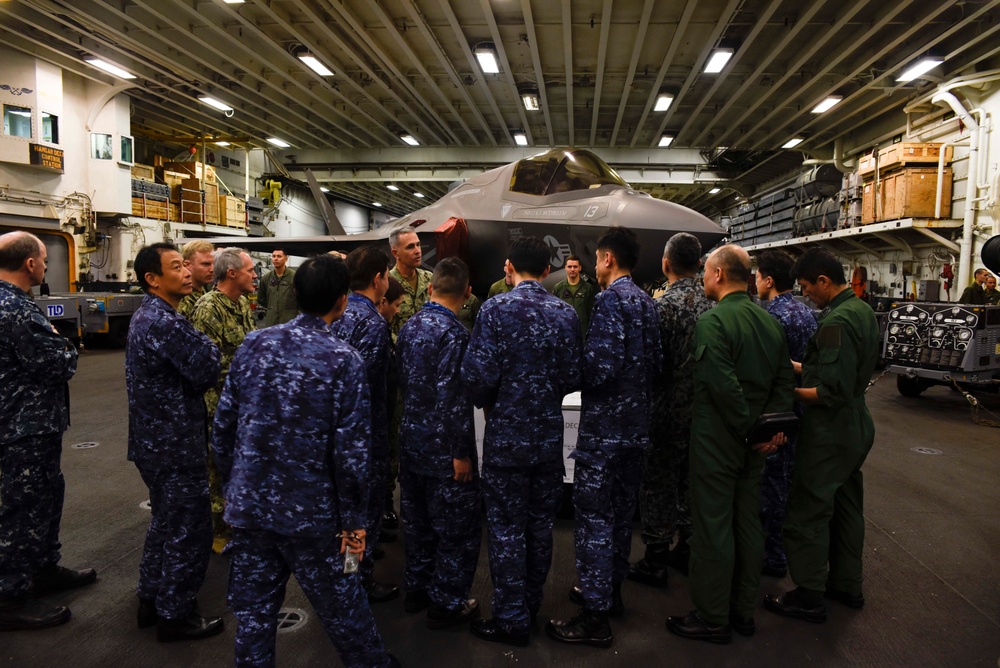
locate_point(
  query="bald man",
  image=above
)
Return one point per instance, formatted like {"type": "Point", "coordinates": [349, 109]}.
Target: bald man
{"type": "Point", "coordinates": [741, 370]}
{"type": "Point", "coordinates": [35, 365]}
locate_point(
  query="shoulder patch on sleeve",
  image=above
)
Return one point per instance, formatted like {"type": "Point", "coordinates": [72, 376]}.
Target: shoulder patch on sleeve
{"type": "Point", "coordinates": [829, 336]}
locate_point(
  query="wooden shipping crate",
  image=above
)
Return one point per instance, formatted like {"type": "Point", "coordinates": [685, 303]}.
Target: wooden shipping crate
{"type": "Point", "coordinates": [143, 172]}
{"type": "Point", "coordinates": [912, 193]}
{"type": "Point", "coordinates": [868, 200]}
{"type": "Point", "coordinates": [193, 169]}
{"type": "Point", "coordinates": [147, 208]}
{"type": "Point", "coordinates": [172, 179]}
{"type": "Point", "coordinates": [232, 211]}
{"type": "Point", "coordinates": [192, 200]}
{"type": "Point", "coordinates": [866, 165]}
{"type": "Point", "coordinates": [911, 153]}
{"type": "Point", "coordinates": [174, 212]}
{"type": "Point", "coordinates": [212, 204]}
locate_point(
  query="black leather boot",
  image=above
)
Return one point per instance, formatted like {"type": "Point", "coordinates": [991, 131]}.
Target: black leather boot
{"type": "Point", "coordinates": [651, 569]}
{"type": "Point", "coordinates": [587, 628]}
{"type": "Point", "coordinates": [617, 605]}
{"type": "Point", "coordinates": [24, 613]}
{"type": "Point", "coordinates": [192, 627]}
{"type": "Point", "coordinates": [59, 578]}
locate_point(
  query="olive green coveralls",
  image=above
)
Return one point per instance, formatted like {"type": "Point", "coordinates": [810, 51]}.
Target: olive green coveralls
{"type": "Point", "coordinates": [741, 370]}
{"type": "Point", "coordinates": [825, 522]}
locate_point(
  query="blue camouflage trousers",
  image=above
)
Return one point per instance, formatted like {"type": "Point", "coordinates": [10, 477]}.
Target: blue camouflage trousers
{"type": "Point", "coordinates": [774, 486]}
{"type": "Point", "coordinates": [178, 542]}
{"type": "Point", "coordinates": [521, 506]}
{"type": "Point", "coordinates": [373, 524]}
{"type": "Point", "coordinates": [605, 489]}
{"type": "Point", "coordinates": [31, 502]}
{"type": "Point", "coordinates": [261, 564]}
{"type": "Point", "coordinates": [443, 531]}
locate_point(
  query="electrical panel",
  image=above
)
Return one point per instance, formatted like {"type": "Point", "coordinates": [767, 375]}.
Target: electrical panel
{"type": "Point", "coordinates": [943, 336]}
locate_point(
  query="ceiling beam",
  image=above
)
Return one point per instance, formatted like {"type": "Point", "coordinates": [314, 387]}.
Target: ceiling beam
{"type": "Point", "coordinates": [505, 69]}
{"type": "Point", "coordinates": [567, 26]}
{"type": "Point", "coordinates": [536, 61]}
{"type": "Point", "coordinates": [602, 54]}
{"type": "Point", "coordinates": [640, 38]}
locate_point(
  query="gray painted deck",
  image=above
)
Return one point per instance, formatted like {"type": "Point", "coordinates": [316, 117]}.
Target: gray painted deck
{"type": "Point", "coordinates": [931, 559]}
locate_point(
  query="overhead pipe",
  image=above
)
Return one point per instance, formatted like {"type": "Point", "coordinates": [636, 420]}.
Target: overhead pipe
{"type": "Point", "coordinates": [972, 183]}
{"type": "Point", "coordinates": [838, 158]}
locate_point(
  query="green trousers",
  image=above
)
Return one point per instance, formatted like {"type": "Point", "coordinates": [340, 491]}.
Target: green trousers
{"type": "Point", "coordinates": [824, 531]}
{"type": "Point", "coordinates": [727, 548]}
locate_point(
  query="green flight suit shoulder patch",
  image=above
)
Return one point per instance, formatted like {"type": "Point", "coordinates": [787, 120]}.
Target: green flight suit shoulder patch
{"type": "Point", "coordinates": [829, 336]}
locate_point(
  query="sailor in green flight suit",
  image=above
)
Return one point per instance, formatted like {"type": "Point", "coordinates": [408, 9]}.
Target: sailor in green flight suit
{"type": "Point", "coordinates": [825, 528]}
{"type": "Point", "coordinates": [741, 371]}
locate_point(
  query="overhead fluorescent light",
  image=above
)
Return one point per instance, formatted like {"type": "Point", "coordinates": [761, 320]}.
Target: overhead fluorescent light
{"type": "Point", "coordinates": [392, 187]}
{"type": "Point", "coordinates": [714, 191]}
{"type": "Point", "coordinates": [280, 143]}
{"type": "Point", "coordinates": [420, 195]}
{"type": "Point", "coordinates": [663, 102]}
{"type": "Point", "coordinates": [917, 69]}
{"type": "Point", "coordinates": [827, 104]}
{"type": "Point", "coordinates": [110, 68]}
{"type": "Point", "coordinates": [324, 189]}
{"type": "Point", "coordinates": [665, 141]}
{"type": "Point", "coordinates": [793, 142]}
{"type": "Point", "coordinates": [718, 60]}
{"type": "Point", "coordinates": [486, 54]}
{"type": "Point", "coordinates": [234, 2]}
{"type": "Point", "coordinates": [212, 102]}
{"type": "Point", "coordinates": [530, 101]}
{"type": "Point", "coordinates": [376, 203]}
{"type": "Point", "coordinates": [222, 143]}
{"type": "Point", "coordinates": [408, 139]}
{"type": "Point", "coordinates": [520, 139]}
{"type": "Point", "coordinates": [313, 63]}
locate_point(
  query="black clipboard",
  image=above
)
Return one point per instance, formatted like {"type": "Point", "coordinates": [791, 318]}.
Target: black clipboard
{"type": "Point", "coordinates": [770, 424]}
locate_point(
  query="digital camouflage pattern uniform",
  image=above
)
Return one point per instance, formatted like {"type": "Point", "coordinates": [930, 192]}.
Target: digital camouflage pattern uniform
{"type": "Point", "coordinates": [412, 299]}
{"type": "Point", "coordinates": [186, 307]}
{"type": "Point", "coordinates": [364, 328]}
{"type": "Point", "coordinates": [825, 527]}
{"type": "Point", "coordinates": [621, 357]}
{"type": "Point", "coordinates": [664, 499]}
{"type": "Point", "coordinates": [277, 295]}
{"type": "Point", "coordinates": [297, 475]}
{"type": "Point", "coordinates": [741, 370]}
{"type": "Point", "coordinates": [35, 365]}
{"type": "Point", "coordinates": [226, 323]}
{"type": "Point", "coordinates": [168, 367]}
{"type": "Point", "coordinates": [443, 528]}
{"type": "Point", "coordinates": [522, 360]}
{"type": "Point", "coordinates": [799, 324]}
{"type": "Point", "coordinates": [581, 299]}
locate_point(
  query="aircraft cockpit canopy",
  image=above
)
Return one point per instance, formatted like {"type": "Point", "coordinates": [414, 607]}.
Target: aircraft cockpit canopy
{"type": "Point", "coordinates": [562, 170]}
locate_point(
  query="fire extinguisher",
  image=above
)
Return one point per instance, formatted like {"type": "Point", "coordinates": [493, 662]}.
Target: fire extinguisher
{"type": "Point", "coordinates": [948, 275]}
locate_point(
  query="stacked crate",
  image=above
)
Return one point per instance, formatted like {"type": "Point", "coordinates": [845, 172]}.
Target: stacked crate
{"type": "Point", "coordinates": [192, 201]}
{"type": "Point", "coordinates": [149, 200]}
{"type": "Point", "coordinates": [232, 212]}
{"type": "Point", "coordinates": [901, 180]}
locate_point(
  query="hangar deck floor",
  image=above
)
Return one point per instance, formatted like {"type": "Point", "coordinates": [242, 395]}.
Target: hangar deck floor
{"type": "Point", "coordinates": [931, 558]}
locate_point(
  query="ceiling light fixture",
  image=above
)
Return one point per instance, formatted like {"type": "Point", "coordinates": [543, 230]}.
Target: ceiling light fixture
{"type": "Point", "coordinates": [110, 68]}
{"type": "Point", "coordinates": [324, 189]}
{"type": "Point", "coordinates": [718, 60]}
{"type": "Point", "coordinates": [392, 187]}
{"type": "Point", "coordinates": [663, 101]}
{"type": "Point", "coordinates": [714, 191]}
{"type": "Point", "coordinates": [376, 203]}
{"type": "Point", "coordinates": [520, 139]}
{"type": "Point", "coordinates": [234, 2]}
{"type": "Point", "coordinates": [313, 63]}
{"type": "Point", "coordinates": [530, 100]}
{"type": "Point", "coordinates": [793, 142]}
{"type": "Point", "coordinates": [827, 104]}
{"type": "Point", "coordinates": [486, 54]}
{"type": "Point", "coordinates": [212, 102]}
{"type": "Point", "coordinates": [222, 143]}
{"type": "Point", "coordinates": [408, 139]}
{"type": "Point", "coordinates": [280, 143]}
{"type": "Point", "coordinates": [919, 68]}
{"type": "Point", "coordinates": [420, 195]}
{"type": "Point", "coordinates": [665, 141]}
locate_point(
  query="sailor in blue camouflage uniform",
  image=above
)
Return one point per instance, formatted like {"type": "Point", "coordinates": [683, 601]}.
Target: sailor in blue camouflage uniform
{"type": "Point", "coordinates": [664, 497]}
{"type": "Point", "coordinates": [364, 328]}
{"type": "Point", "coordinates": [440, 474]}
{"type": "Point", "coordinates": [621, 357]}
{"type": "Point", "coordinates": [168, 367]}
{"type": "Point", "coordinates": [523, 359]}
{"type": "Point", "coordinates": [35, 364]}
{"type": "Point", "coordinates": [774, 286]}
{"type": "Point", "coordinates": [296, 474]}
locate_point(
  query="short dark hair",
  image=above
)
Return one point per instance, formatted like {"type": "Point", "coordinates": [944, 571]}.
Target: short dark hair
{"type": "Point", "coordinates": [365, 264]}
{"type": "Point", "coordinates": [817, 262]}
{"type": "Point", "coordinates": [149, 261]}
{"type": "Point", "coordinates": [319, 283]}
{"type": "Point", "coordinates": [777, 265]}
{"type": "Point", "coordinates": [623, 244]}
{"type": "Point", "coordinates": [683, 252]}
{"type": "Point", "coordinates": [279, 250]}
{"type": "Point", "coordinates": [573, 258]}
{"type": "Point", "coordinates": [451, 277]}
{"type": "Point", "coordinates": [395, 290]}
{"type": "Point", "coordinates": [734, 263]}
{"type": "Point", "coordinates": [17, 249]}
{"type": "Point", "coordinates": [530, 256]}
{"type": "Point", "coordinates": [976, 274]}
